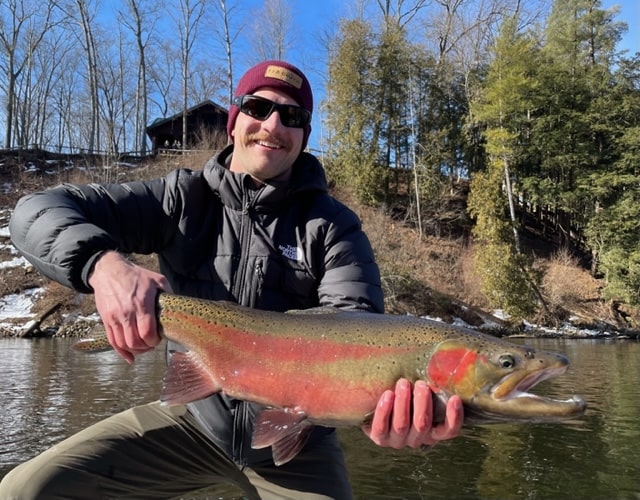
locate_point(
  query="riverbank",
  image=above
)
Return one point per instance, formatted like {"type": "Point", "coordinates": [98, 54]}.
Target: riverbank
{"type": "Point", "coordinates": [37, 308]}
{"type": "Point", "coordinates": [423, 276]}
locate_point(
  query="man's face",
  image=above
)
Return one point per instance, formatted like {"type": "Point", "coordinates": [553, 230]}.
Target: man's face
{"type": "Point", "coordinates": [266, 149]}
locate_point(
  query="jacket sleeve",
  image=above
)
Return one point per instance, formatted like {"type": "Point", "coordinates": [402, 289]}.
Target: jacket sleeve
{"type": "Point", "coordinates": [351, 278]}
{"type": "Point", "coordinates": [61, 231]}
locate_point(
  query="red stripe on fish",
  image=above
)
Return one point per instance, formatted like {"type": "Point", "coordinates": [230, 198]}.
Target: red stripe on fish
{"type": "Point", "coordinates": [449, 366]}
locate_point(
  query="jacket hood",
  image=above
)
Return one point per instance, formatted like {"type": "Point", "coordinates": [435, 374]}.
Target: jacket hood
{"type": "Point", "coordinates": [307, 177]}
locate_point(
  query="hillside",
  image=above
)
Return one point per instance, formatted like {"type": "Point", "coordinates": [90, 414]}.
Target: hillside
{"type": "Point", "coordinates": [428, 276]}
{"type": "Point", "coordinates": [435, 276]}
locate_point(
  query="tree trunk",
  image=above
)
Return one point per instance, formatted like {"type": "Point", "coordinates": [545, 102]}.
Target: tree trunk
{"type": "Point", "coordinates": [512, 207]}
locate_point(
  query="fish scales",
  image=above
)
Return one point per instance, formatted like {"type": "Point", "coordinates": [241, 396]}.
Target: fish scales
{"type": "Point", "coordinates": [329, 367]}
{"type": "Point", "coordinates": [252, 353]}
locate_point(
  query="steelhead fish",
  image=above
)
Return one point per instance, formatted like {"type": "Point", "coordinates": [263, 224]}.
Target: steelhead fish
{"type": "Point", "coordinates": [329, 367]}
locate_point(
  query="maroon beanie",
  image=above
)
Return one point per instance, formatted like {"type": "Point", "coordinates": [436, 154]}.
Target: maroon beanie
{"type": "Point", "coordinates": [281, 76]}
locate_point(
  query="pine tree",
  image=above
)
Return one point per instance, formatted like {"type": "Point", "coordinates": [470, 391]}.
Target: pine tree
{"type": "Point", "coordinates": [351, 115]}
{"type": "Point", "coordinates": [367, 108]}
{"type": "Point", "coordinates": [614, 230]}
{"type": "Point", "coordinates": [569, 145]}
{"type": "Point", "coordinates": [503, 107]}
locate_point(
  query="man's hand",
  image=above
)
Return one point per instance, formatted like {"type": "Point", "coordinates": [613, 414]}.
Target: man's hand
{"type": "Point", "coordinates": [399, 422]}
{"type": "Point", "coordinates": [125, 296]}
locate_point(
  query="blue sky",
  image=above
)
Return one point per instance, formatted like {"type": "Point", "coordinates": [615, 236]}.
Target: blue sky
{"type": "Point", "coordinates": [314, 17]}
{"type": "Point", "coordinates": [630, 14]}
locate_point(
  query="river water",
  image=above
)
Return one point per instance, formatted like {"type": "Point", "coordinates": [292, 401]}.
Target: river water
{"type": "Point", "coordinates": [50, 391]}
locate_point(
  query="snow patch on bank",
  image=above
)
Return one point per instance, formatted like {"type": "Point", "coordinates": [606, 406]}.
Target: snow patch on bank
{"type": "Point", "coordinates": [15, 306]}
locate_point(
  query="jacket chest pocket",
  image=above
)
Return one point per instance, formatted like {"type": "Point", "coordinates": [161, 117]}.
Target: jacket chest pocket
{"type": "Point", "coordinates": [287, 284]}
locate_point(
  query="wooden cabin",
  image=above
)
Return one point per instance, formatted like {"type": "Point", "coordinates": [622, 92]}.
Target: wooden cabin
{"type": "Point", "coordinates": [204, 121]}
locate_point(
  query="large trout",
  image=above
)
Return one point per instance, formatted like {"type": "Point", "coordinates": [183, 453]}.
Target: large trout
{"type": "Point", "coordinates": [329, 367]}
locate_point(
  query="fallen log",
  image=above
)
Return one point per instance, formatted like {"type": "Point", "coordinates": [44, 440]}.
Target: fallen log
{"type": "Point", "coordinates": [32, 328]}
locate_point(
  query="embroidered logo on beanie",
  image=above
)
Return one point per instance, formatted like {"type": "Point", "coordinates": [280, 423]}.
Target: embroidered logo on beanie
{"type": "Point", "coordinates": [285, 75]}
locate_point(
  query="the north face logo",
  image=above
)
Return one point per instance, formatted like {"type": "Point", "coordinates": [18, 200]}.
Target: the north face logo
{"type": "Point", "coordinates": [290, 252]}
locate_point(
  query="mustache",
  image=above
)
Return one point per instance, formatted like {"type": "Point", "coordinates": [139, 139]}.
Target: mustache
{"type": "Point", "coordinates": [276, 139]}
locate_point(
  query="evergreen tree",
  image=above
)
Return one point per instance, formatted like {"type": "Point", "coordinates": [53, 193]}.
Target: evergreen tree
{"type": "Point", "coordinates": [351, 116]}
{"type": "Point", "coordinates": [367, 108]}
{"type": "Point", "coordinates": [614, 230]}
{"type": "Point", "coordinates": [503, 107]}
{"type": "Point", "coordinates": [392, 131]}
{"type": "Point", "coordinates": [439, 107]}
{"type": "Point", "coordinates": [568, 143]}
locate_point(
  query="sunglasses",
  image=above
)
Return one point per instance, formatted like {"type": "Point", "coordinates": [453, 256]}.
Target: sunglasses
{"type": "Point", "coordinates": [260, 108]}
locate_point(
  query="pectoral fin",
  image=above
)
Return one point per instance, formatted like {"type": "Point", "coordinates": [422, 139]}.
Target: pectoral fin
{"type": "Point", "coordinates": [186, 380]}
{"type": "Point", "coordinates": [286, 431]}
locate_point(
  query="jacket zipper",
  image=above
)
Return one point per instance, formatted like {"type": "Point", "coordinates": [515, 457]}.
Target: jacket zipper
{"type": "Point", "coordinates": [256, 283]}
{"type": "Point", "coordinates": [242, 408]}
{"type": "Point", "coordinates": [245, 243]}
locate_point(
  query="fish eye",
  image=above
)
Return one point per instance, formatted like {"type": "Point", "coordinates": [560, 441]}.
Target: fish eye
{"type": "Point", "coordinates": [507, 361]}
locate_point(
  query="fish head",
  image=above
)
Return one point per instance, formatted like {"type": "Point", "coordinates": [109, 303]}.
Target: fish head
{"type": "Point", "coordinates": [493, 377]}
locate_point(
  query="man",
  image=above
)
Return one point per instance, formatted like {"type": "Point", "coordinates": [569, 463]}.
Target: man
{"type": "Point", "coordinates": [257, 227]}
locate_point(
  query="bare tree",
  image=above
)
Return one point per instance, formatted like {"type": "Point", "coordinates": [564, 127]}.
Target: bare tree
{"type": "Point", "coordinates": [227, 36]}
{"type": "Point", "coordinates": [86, 20]}
{"type": "Point", "coordinates": [109, 90]}
{"type": "Point", "coordinates": [63, 97]}
{"type": "Point", "coordinates": [52, 61]}
{"type": "Point", "coordinates": [400, 10]}
{"type": "Point", "coordinates": [82, 13]}
{"type": "Point", "coordinates": [140, 18]}
{"type": "Point", "coordinates": [33, 91]}
{"type": "Point", "coordinates": [116, 90]}
{"type": "Point", "coordinates": [23, 25]}
{"type": "Point", "coordinates": [163, 77]}
{"type": "Point", "coordinates": [271, 30]}
{"type": "Point", "coordinates": [205, 82]}
{"type": "Point", "coordinates": [191, 12]}
{"type": "Point", "coordinates": [463, 28]}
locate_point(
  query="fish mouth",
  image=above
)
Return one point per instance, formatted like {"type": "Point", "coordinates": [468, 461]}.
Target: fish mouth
{"type": "Point", "coordinates": [510, 400]}
{"type": "Point", "coordinates": [516, 385]}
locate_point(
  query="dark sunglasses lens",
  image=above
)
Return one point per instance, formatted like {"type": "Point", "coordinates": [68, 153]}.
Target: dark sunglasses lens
{"type": "Point", "coordinates": [260, 109]}
{"type": "Point", "coordinates": [294, 116]}
{"type": "Point", "coordinates": [256, 108]}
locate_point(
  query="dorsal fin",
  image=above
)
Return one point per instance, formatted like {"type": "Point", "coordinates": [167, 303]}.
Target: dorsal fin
{"type": "Point", "coordinates": [315, 310]}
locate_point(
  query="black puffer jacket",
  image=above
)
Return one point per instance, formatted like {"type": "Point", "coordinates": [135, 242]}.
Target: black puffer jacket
{"type": "Point", "coordinates": [281, 246]}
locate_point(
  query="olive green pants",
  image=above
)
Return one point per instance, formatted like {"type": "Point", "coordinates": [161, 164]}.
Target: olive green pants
{"type": "Point", "coordinates": [154, 451]}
